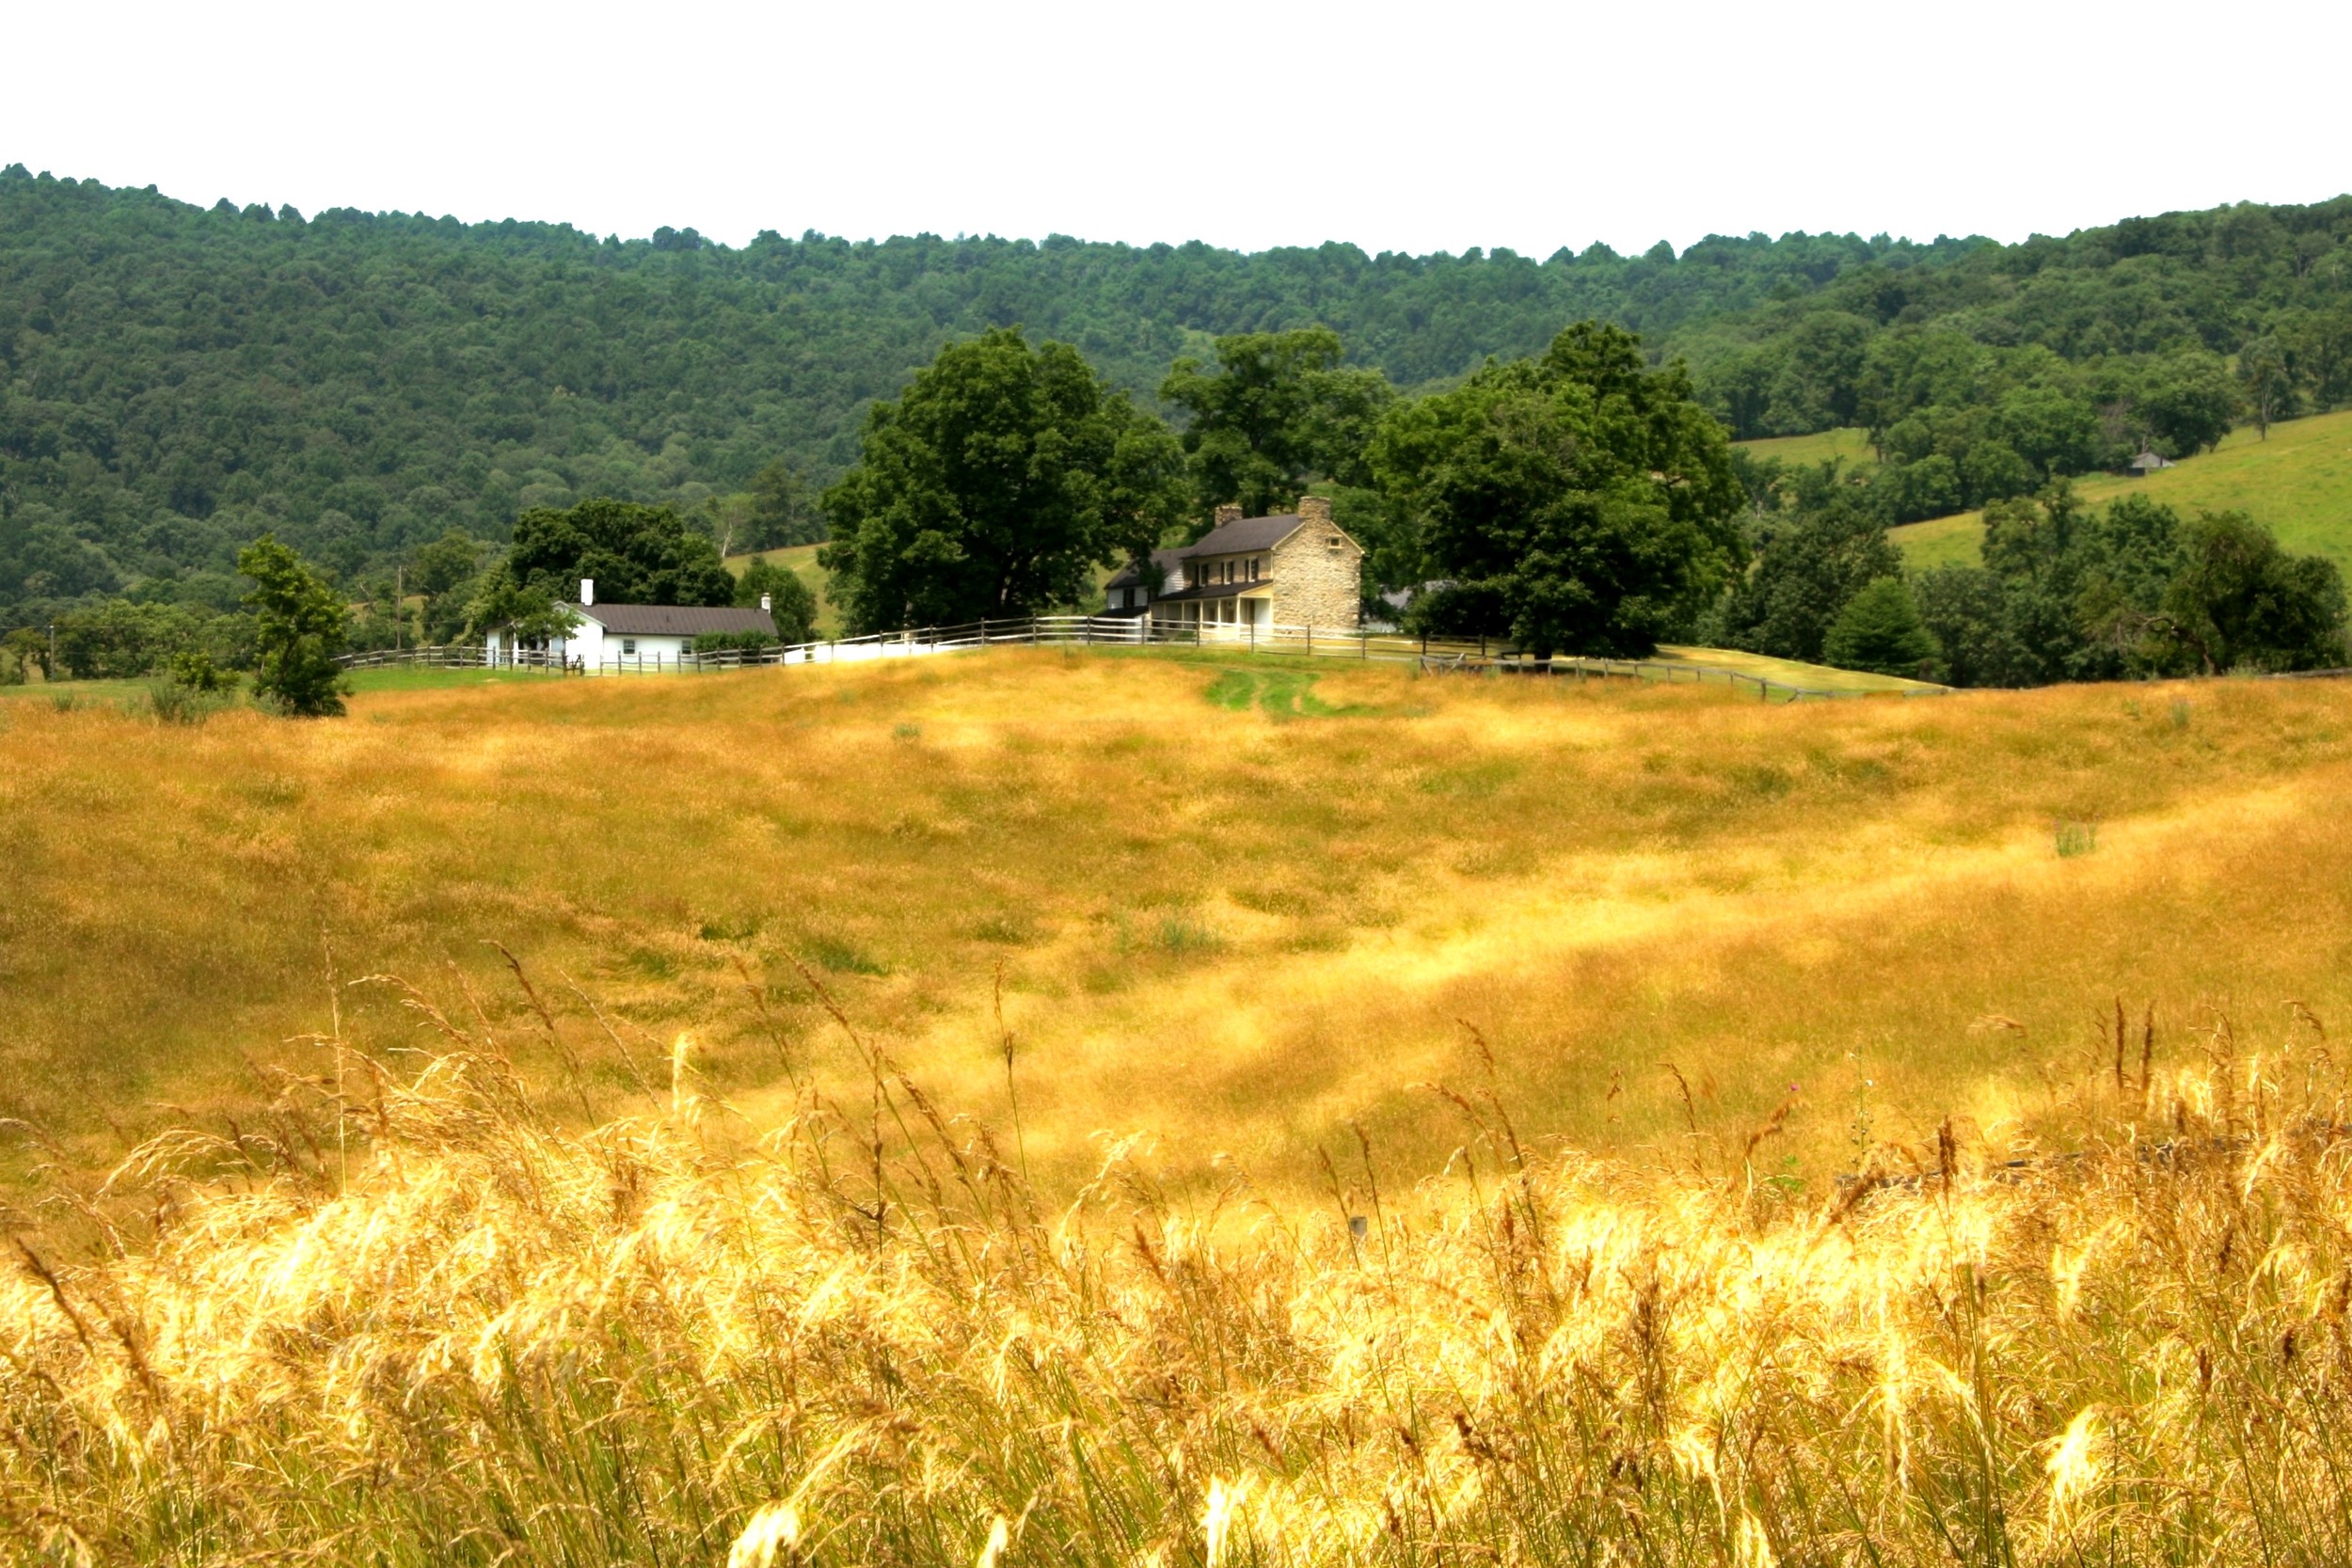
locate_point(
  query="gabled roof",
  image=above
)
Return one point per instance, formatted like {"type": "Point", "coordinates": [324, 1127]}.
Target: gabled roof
{"type": "Point", "coordinates": [674, 620]}
{"type": "Point", "coordinates": [1246, 533]}
{"type": "Point", "coordinates": [1243, 536]}
{"type": "Point", "coordinates": [1240, 537]}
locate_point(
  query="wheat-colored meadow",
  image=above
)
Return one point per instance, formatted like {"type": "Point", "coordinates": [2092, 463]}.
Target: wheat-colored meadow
{"type": "Point", "coordinates": [1229, 930]}
{"type": "Point", "coordinates": [422, 1322]}
{"type": "Point", "coordinates": [1044, 1108]}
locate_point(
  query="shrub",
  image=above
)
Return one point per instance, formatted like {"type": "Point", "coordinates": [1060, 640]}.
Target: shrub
{"type": "Point", "coordinates": [303, 623]}
{"type": "Point", "coordinates": [733, 641]}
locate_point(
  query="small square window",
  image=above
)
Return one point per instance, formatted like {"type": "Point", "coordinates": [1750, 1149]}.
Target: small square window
{"type": "Point", "coordinates": [628, 644]}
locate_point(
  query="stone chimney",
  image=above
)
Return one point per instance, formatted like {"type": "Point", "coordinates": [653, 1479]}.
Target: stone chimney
{"type": "Point", "coordinates": [1314, 508]}
{"type": "Point", "coordinates": [587, 591]}
{"type": "Point", "coordinates": [1228, 513]}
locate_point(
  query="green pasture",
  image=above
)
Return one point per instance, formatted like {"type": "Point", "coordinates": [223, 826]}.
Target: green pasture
{"type": "Point", "coordinates": [801, 560]}
{"type": "Point", "coordinates": [1788, 672]}
{"type": "Point", "coordinates": [2298, 484]}
{"type": "Point", "coordinates": [1850, 445]}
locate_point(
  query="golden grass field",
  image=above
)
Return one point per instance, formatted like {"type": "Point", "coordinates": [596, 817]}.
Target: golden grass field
{"type": "Point", "coordinates": [1177, 1109]}
{"type": "Point", "coordinates": [1231, 925]}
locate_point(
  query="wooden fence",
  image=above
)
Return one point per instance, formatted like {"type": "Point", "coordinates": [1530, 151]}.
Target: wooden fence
{"type": "Point", "coordinates": [1111, 632]}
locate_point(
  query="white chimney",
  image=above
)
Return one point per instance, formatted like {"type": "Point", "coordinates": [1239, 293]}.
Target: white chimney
{"type": "Point", "coordinates": [587, 591]}
{"type": "Point", "coordinates": [763, 605]}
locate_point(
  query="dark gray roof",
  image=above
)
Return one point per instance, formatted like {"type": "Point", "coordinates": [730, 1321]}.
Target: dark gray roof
{"type": "Point", "coordinates": [675, 620]}
{"type": "Point", "coordinates": [1234, 538]}
{"type": "Point", "coordinates": [1247, 533]}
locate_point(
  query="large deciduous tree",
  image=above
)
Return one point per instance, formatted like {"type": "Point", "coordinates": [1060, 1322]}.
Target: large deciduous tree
{"type": "Point", "coordinates": [1581, 501]}
{"type": "Point", "coordinates": [994, 486]}
{"type": "Point", "coordinates": [635, 555]}
{"type": "Point", "coordinates": [2240, 601]}
{"type": "Point", "coordinates": [2187, 401]}
{"type": "Point", "coordinates": [1278, 412]}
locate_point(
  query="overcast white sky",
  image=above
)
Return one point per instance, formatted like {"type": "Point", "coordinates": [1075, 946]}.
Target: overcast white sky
{"type": "Point", "coordinates": [1243, 122]}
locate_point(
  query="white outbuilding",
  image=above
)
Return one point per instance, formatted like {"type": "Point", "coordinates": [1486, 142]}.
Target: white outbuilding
{"type": "Point", "coordinates": [629, 635]}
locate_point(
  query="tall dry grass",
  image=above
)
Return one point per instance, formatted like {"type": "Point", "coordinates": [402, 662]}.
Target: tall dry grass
{"type": "Point", "coordinates": [1226, 930]}
{"type": "Point", "coordinates": [415, 1319]}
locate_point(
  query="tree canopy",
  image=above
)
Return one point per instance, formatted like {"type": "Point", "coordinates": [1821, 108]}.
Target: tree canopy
{"type": "Point", "coordinates": [635, 554]}
{"type": "Point", "coordinates": [2239, 602]}
{"type": "Point", "coordinates": [998, 483]}
{"type": "Point", "coordinates": [790, 600]}
{"type": "Point", "coordinates": [1581, 501]}
{"type": "Point", "coordinates": [176, 380]}
{"type": "Point", "coordinates": [1276, 413]}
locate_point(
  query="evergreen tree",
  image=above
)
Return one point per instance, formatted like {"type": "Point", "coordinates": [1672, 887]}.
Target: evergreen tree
{"type": "Point", "coordinates": [783, 511]}
{"type": "Point", "coordinates": [1880, 630]}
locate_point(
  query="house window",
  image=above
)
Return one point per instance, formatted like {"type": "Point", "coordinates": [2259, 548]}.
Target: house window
{"type": "Point", "coordinates": [1253, 568]}
{"type": "Point", "coordinates": [628, 645]}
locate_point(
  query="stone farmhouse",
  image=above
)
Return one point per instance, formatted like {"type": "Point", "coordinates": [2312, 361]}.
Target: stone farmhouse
{"type": "Point", "coordinates": [1248, 574]}
{"type": "Point", "coordinates": [631, 635]}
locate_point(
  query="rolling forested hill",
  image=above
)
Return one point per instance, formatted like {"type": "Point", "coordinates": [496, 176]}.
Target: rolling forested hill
{"type": "Point", "coordinates": [175, 379]}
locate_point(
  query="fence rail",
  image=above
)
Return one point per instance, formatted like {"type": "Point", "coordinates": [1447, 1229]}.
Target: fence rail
{"type": "Point", "coordinates": [1111, 632]}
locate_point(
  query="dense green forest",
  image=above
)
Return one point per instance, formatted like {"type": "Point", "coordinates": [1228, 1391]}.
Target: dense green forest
{"type": "Point", "coordinates": [177, 380]}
